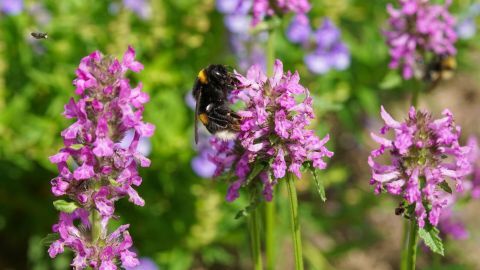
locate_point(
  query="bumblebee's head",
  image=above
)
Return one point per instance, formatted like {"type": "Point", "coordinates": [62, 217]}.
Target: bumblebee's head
{"type": "Point", "coordinates": [218, 74]}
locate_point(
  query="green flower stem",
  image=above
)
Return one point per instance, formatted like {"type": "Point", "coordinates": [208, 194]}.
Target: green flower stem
{"type": "Point", "coordinates": [412, 245]}
{"type": "Point", "coordinates": [415, 95]}
{"type": "Point", "coordinates": [270, 234]}
{"type": "Point", "coordinates": [270, 212]}
{"type": "Point", "coordinates": [297, 240]}
{"type": "Point", "coordinates": [255, 239]}
{"type": "Point", "coordinates": [416, 87]}
{"type": "Point", "coordinates": [96, 225]}
{"type": "Point", "coordinates": [403, 265]}
{"type": "Point", "coordinates": [270, 51]}
{"type": "Point", "coordinates": [96, 219]}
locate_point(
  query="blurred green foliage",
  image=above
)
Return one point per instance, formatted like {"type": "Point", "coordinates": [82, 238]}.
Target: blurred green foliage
{"type": "Point", "coordinates": [186, 223]}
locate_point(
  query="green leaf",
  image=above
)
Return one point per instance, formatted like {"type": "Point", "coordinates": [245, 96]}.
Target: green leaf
{"type": "Point", "coordinates": [391, 80]}
{"type": "Point", "coordinates": [49, 239]}
{"type": "Point", "coordinates": [431, 238]}
{"type": "Point", "coordinates": [444, 185]}
{"type": "Point", "coordinates": [64, 206]}
{"type": "Point", "coordinates": [319, 184]}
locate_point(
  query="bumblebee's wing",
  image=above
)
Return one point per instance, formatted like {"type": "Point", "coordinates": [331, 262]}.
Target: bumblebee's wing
{"type": "Point", "coordinates": [197, 106]}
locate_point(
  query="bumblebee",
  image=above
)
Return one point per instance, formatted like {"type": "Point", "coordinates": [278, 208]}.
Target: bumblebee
{"type": "Point", "coordinates": [210, 91]}
{"type": "Point", "coordinates": [39, 35]}
{"type": "Point", "coordinates": [441, 67]}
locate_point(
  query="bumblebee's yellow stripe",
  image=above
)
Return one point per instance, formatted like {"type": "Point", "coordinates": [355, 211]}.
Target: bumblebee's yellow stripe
{"type": "Point", "coordinates": [203, 118]}
{"type": "Point", "coordinates": [202, 76]}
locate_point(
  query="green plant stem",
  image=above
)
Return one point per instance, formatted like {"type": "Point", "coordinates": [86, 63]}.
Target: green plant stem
{"type": "Point", "coordinates": [96, 225]}
{"type": "Point", "coordinates": [297, 240]}
{"type": "Point", "coordinates": [270, 234]}
{"type": "Point", "coordinates": [270, 213]}
{"type": "Point", "coordinates": [417, 87]}
{"type": "Point", "coordinates": [403, 265]}
{"type": "Point", "coordinates": [270, 51]}
{"type": "Point", "coordinates": [96, 219]}
{"type": "Point", "coordinates": [255, 240]}
{"type": "Point", "coordinates": [412, 245]}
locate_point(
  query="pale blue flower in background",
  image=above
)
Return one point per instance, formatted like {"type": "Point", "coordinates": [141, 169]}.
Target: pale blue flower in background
{"type": "Point", "coordinates": [11, 7]}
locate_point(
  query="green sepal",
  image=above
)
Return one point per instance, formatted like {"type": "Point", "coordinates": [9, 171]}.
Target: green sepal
{"type": "Point", "coordinates": [431, 238]}
{"type": "Point", "coordinates": [113, 182]}
{"type": "Point", "coordinates": [49, 239]}
{"type": "Point", "coordinates": [64, 206]}
{"type": "Point", "coordinates": [76, 146]}
{"type": "Point", "coordinates": [446, 187]}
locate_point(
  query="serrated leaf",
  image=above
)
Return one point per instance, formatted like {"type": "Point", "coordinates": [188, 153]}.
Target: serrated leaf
{"type": "Point", "coordinates": [64, 206]}
{"type": "Point", "coordinates": [444, 185]}
{"type": "Point", "coordinates": [49, 239]}
{"type": "Point", "coordinates": [319, 184]}
{"type": "Point", "coordinates": [432, 239]}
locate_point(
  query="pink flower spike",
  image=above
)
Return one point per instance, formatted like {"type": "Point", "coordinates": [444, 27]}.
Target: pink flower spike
{"type": "Point", "coordinates": [417, 169]}
{"type": "Point", "coordinates": [94, 169]}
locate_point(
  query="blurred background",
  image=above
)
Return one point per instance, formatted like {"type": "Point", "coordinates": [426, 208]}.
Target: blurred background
{"type": "Point", "coordinates": [186, 223]}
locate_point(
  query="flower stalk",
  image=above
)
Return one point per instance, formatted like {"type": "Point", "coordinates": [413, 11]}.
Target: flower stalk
{"type": "Point", "coordinates": [98, 165]}
{"type": "Point", "coordinates": [255, 239]}
{"type": "Point", "coordinates": [412, 245]}
{"type": "Point", "coordinates": [296, 236]}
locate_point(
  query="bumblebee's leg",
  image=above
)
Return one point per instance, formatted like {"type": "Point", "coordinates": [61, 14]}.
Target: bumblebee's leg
{"type": "Point", "coordinates": [231, 119]}
{"type": "Point", "coordinates": [226, 114]}
{"type": "Point", "coordinates": [214, 126]}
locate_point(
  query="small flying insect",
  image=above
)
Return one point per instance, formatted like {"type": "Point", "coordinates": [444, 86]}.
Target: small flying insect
{"type": "Point", "coordinates": [441, 67]}
{"type": "Point", "coordinates": [210, 91]}
{"type": "Point", "coordinates": [39, 35]}
{"type": "Point", "coordinates": [399, 210]}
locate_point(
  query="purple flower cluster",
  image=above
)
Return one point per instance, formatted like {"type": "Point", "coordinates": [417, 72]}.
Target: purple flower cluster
{"type": "Point", "coordinates": [419, 28]}
{"type": "Point", "coordinates": [424, 153]}
{"type": "Point", "coordinates": [11, 7]}
{"type": "Point", "coordinates": [473, 186]}
{"type": "Point", "coordinates": [450, 225]}
{"type": "Point", "coordinates": [96, 167]}
{"type": "Point", "coordinates": [247, 47]}
{"type": "Point", "coordinates": [201, 164]}
{"type": "Point", "coordinates": [140, 7]}
{"type": "Point", "coordinates": [449, 222]}
{"type": "Point", "coordinates": [466, 27]}
{"type": "Point", "coordinates": [273, 131]}
{"type": "Point", "coordinates": [261, 9]}
{"type": "Point", "coordinates": [329, 51]}
{"type": "Point", "coordinates": [265, 8]}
